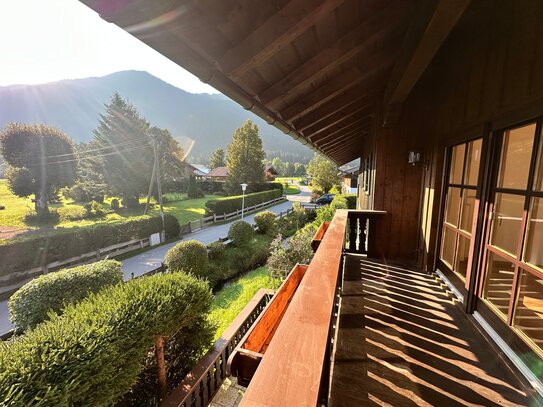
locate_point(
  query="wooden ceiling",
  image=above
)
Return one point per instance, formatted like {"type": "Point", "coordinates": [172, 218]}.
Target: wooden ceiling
{"type": "Point", "coordinates": [316, 69]}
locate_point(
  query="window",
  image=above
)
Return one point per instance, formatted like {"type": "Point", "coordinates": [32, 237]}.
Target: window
{"type": "Point", "coordinates": [460, 200]}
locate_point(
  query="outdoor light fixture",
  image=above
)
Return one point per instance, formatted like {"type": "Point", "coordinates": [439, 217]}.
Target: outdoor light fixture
{"type": "Point", "coordinates": [413, 157]}
{"type": "Point", "coordinates": [243, 188]}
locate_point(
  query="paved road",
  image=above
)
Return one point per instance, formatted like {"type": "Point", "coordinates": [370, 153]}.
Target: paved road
{"type": "Point", "coordinates": [152, 259]}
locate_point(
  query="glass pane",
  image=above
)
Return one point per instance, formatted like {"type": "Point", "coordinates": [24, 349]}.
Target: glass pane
{"type": "Point", "coordinates": [516, 156]}
{"type": "Point", "coordinates": [461, 264]}
{"type": "Point", "coordinates": [529, 308]}
{"type": "Point", "coordinates": [538, 180]}
{"type": "Point", "coordinates": [534, 238]}
{"type": "Point", "coordinates": [468, 202]}
{"type": "Point", "coordinates": [453, 206]}
{"type": "Point", "coordinates": [447, 246]}
{"type": "Point", "coordinates": [506, 223]}
{"type": "Point", "coordinates": [473, 162]}
{"type": "Point", "coordinates": [498, 283]}
{"type": "Point", "coordinates": [457, 164]}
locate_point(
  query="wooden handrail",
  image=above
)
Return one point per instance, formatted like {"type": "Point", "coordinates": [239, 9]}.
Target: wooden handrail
{"type": "Point", "coordinates": [290, 374]}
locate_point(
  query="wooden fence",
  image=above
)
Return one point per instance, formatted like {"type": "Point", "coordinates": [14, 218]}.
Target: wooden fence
{"type": "Point", "coordinates": [213, 219]}
{"type": "Point", "coordinates": [200, 385]}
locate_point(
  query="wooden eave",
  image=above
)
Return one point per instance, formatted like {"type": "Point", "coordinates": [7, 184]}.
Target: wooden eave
{"type": "Point", "coordinates": [315, 69]}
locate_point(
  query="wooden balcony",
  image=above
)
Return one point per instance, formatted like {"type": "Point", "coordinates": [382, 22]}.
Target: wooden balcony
{"type": "Point", "coordinates": [361, 331]}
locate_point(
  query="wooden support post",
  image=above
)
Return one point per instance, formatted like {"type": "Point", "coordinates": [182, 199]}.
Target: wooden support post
{"type": "Point", "coordinates": [201, 223]}
{"type": "Point", "coordinates": [190, 228]}
{"type": "Point", "coordinates": [161, 368]}
{"type": "Point", "coordinates": [214, 218]}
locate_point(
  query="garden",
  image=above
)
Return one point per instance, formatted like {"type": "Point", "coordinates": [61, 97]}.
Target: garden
{"type": "Point", "coordinates": [82, 329]}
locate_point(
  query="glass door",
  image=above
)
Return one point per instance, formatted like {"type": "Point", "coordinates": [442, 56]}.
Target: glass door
{"type": "Point", "coordinates": [513, 250]}
{"type": "Point", "coordinates": [458, 220]}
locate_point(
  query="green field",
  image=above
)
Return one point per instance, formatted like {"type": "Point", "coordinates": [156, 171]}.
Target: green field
{"type": "Point", "coordinates": [290, 189]}
{"type": "Point", "coordinates": [17, 209]}
{"type": "Point", "coordinates": [230, 300]}
{"type": "Point", "coordinates": [288, 179]}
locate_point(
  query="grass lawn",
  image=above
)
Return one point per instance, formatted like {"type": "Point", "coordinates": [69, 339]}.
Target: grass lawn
{"type": "Point", "coordinates": [16, 209]}
{"type": "Point", "coordinates": [230, 300]}
{"type": "Point", "coordinates": [288, 179]}
{"type": "Point", "coordinates": [290, 189]}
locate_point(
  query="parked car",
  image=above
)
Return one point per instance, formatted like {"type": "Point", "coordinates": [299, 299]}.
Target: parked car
{"type": "Point", "coordinates": [326, 199]}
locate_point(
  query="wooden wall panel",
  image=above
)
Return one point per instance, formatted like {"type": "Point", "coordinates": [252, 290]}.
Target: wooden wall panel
{"type": "Point", "coordinates": [489, 72]}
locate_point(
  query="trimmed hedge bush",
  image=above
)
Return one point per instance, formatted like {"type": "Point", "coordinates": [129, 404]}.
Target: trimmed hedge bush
{"type": "Point", "coordinates": [93, 353]}
{"type": "Point", "coordinates": [190, 257]}
{"type": "Point", "coordinates": [32, 303]}
{"type": "Point", "coordinates": [216, 250]}
{"type": "Point", "coordinates": [241, 233]}
{"type": "Point", "coordinates": [265, 221]}
{"type": "Point", "coordinates": [230, 204]}
{"type": "Point", "coordinates": [351, 200]}
{"type": "Point", "coordinates": [339, 202]}
{"type": "Point", "coordinates": [77, 241]}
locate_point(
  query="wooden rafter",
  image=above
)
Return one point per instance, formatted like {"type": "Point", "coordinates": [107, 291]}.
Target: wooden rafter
{"type": "Point", "coordinates": [427, 32]}
{"type": "Point", "coordinates": [356, 95]}
{"type": "Point", "coordinates": [280, 29]}
{"type": "Point", "coordinates": [339, 128]}
{"type": "Point", "coordinates": [334, 87]}
{"type": "Point", "coordinates": [343, 138]}
{"type": "Point", "coordinates": [366, 38]}
{"type": "Point", "coordinates": [337, 118]}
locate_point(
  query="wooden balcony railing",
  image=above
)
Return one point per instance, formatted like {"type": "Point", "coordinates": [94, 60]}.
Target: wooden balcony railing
{"type": "Point", "coordinates": [201, 384]}
{"type": "Point", "coordinates": [297, 359]}
{"type": "Point", "coordinates": [361, 226]}
{"type": "Point", "coordinates": [295, 370]}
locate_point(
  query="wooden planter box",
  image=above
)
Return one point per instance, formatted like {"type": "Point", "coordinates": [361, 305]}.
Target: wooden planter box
{"type": "Point", "coordinates": [246, 357]}
{"type": "Point", "coordinates": [319, 234]}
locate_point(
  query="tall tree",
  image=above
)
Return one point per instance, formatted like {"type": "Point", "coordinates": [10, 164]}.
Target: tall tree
{"type": "Point", "coordinates": [171, 155]}
{"type": "Point", "coordinates": [323, 173]}
{"type": "Point", "coordinates": [41, 160]}
{"type": "Point", "coordinates": [279, 166]}
{"type": "Point", "coordinates": [217, 159]}
{"type": "Point", "coordinates": [245, 160]}
{"type": "Point", "coordinates": [127, 156]}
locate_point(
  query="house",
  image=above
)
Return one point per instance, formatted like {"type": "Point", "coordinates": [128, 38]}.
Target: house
{"type": "Point", "coordinates": [349, 179]}
{"type": "Point", "coordinates": [218, 174]}
{"type": "Point", "coordinates": [442, 101]}
{"type": "Point", "coordinates": [197, 170]}
{"type": "Point", "coordinates": [270, 173]}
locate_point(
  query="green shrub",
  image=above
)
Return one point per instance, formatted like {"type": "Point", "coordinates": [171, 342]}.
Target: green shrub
{"type": "Point", "coordinates": [230, 204]}
{"type": "Point", "coordinates": [265, 221]}
{"type": "Point", "coordinates": [241, 233]}
{"type": "Point", "coordinates": [351, 200]}
{"type": "Point", "coordinates": [216, 250]}
{"type": "Point", "coordinates": [72, 242]}
{"type": "Point", "coordinates": [115, 204]}
{"type": "Point", "coordinates": [31, 304]}
{"type": "Point", "coordinates": [94, 353]}
{"type": "Point", "coordinates": [339, 202]}
{"type": "Point", "coordinates": [336, 190]}
{"type": "Point", "coordinates": [71, 213]}
{"type": "Point", "coordinates": [190, 257]}
{"type": "Point", "coordinates": [193, 191]}
{"type": "Point", "coordinates": [237, 260]}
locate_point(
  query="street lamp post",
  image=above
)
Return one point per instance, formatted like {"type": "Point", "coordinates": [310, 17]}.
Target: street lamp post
{"type": "Point", "coordinates": [243, 188]}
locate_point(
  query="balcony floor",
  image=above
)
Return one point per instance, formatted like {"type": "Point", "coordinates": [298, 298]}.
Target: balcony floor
{"type": "Point", "coordinates": [402, 341]}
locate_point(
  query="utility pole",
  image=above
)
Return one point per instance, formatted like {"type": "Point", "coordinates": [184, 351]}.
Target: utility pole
{"type": "Point", "coordinates": [159, 187]}
{"type": "Point", "coordinates": [150, 191]}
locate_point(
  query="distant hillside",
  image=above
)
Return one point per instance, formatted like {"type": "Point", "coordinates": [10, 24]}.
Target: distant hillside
{"type": "Point", "coordinates": [75, 105]}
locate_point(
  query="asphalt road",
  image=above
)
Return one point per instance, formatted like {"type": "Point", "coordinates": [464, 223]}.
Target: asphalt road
{"type": "Point", "coordinates": [152, 259]}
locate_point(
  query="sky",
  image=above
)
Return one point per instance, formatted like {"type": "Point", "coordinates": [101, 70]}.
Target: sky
{"type": "Point", "coordinates": [49, 40]}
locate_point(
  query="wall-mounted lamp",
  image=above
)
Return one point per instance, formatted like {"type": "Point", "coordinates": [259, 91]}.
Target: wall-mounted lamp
{"type": "Point", "coordinates": [413, 157]}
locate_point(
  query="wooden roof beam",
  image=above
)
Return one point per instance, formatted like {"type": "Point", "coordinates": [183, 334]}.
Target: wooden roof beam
{"type": "Point", "coordinates": [279, 30]}
{"type": "Point", "coordinates": [367, 37]}
{"type": "Point", "coordinates": [340, 148]}
{"type": "Point", "coordinates": [433, 23]}
{"type": "Point", "coordinates": [334, 87]}
{"type": "Point", "coordinates": [339, 128]}
{"type": "Point", "coordinates": [343, 137]}
{"type": "Point", "coordinates": [357, 94]}
{"type": "Point", "coordinates": [338, 118]}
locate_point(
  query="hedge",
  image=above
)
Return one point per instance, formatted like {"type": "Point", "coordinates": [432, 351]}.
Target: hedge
{"type": "Point", "coordinates": [94, 353]}
{"type": "Point", "coordinates": [241, 233]}
{"type": "Point", "coordinates": [31, 304]}
{"type": "Point", "coordinates": [36, 251]}
{"type": "Point", "coordinates": [230, 204]}
{"type": "Point", "coordinates": [265, 221]}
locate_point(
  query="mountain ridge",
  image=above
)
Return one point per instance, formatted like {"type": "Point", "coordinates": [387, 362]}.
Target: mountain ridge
{"type": "Point", "coordinates": [74, 105]}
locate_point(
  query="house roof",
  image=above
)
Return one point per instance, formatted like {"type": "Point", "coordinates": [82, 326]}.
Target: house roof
{"type": "Point", "coordinates": [200, 167]}
{"type": "Point", "coordinates": [219, 172]}
{"type": "Point", "coordinates": [270, 169]}
{"type": "Point", "coordinates": [321, 71]}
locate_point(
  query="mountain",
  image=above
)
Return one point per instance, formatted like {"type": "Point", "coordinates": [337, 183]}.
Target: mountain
{"type": "Point", "coordinates": [75, 105]}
